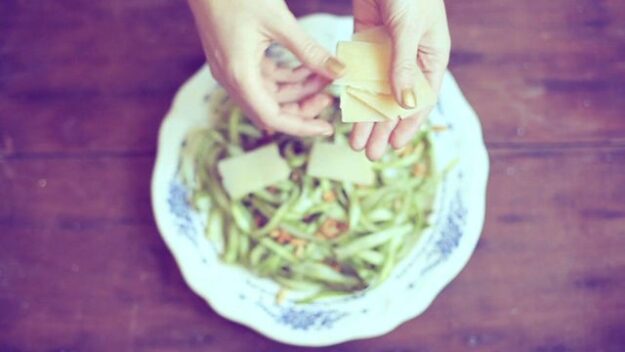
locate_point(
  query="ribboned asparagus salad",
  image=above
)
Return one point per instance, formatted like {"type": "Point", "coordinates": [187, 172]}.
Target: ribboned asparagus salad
{"type": "Point", "coordinates": [310, 214]}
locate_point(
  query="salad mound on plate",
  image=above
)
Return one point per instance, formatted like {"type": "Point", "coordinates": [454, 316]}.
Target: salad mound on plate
{"type": "Point", "coordinates": [310, 214]}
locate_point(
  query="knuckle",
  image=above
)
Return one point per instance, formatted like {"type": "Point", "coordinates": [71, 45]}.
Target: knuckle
{"type": "Point", "coordinates": [312, 51]}
{"type": "Point", "coordinates": [236, 74]}
{"type": "Point", "coordinates": [406, 65]}
{"type": "Point", "coordinates": [405, 68]}
{"type": "Point", "coordinates": [439, 63]}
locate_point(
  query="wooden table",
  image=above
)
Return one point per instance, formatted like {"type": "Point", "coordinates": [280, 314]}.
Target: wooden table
{"type": "Point", "coordinates": [83, 88]}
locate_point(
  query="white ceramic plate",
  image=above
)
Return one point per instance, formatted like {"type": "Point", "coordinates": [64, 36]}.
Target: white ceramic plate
{"type": "Point", "coordinates": [239, 296]}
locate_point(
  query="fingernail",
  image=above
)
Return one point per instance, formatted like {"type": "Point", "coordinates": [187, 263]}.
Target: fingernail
{"type": "Point", "coordinates": [327, 132]}
{"type": "Point", "coordinates": [408, 98]}
{"type": "Point", "coordinates": [335, 67]}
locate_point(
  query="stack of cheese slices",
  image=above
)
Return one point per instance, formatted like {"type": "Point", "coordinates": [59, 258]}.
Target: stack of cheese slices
{"type": "Point", "coordinates": [366, 93]}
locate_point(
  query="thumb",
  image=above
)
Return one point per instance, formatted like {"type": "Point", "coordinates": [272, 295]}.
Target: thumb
{"type": "Point", "coordinates": [310, 52]}
{"type": "Point", "coordinates": [405, 69]}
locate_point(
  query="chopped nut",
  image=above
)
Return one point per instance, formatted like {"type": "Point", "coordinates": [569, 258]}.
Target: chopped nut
{"type": "Point", "coordinates": [419, 170]}
{"type": "Point", "coordinates": [335, 266]}
{"type": "Point", "coordinates": [329, 229]}
{"type": "Point", "coordinates": [329, 196]}
{"type": "Point", "coordinates": [299, 250]}
{"type": "Point", "coordinates": [296, 175]}
{"type": "Point", "coordinates": [440, 128]}
{"type": "Point", "coordinates": [404, 150]}
{"type": "Point", "coordinates": [298, 242]}
{"type": "Point", "coordinates": [332, 228]}
{"type": "Point", "coordinates": [280, 296]}
{"type": "Point", "coordinates": [284, 238]}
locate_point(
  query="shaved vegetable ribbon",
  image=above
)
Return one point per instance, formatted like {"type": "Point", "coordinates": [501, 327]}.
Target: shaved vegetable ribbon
{"type": "Point", "coordinates": [314, 235]}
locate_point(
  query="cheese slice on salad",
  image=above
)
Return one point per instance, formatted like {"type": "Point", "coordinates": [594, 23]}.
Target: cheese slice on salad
{"type": "Point", "coordinates": [368, 63]}
{"type": "Point", "coordinates": [253, 171]}
{"type": "Point", "coordinates": [340, 163]}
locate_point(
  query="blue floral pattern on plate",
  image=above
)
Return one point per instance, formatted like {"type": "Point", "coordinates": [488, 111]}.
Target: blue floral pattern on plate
{"type": "Point", "coordinates": [438, 257]}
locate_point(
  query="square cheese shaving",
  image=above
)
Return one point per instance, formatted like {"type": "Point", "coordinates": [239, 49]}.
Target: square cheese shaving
{"type": "Point", "coordinates": [253, 171]}
{"type": "Point", "coordinates": [340, 163]}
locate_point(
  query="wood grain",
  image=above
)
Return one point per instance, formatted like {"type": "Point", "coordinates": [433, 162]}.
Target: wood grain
{"type": "Point", "coordinates": [548, 271]}
{"type": "Point", "coordinates": [536, 72]}
{"type": "Point", "coordinates": [84, 85]}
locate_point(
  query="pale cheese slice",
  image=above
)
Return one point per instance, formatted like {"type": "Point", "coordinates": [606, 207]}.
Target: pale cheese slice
{"type": "Point", "coordinates": [253, 171]}
{"type": "Point", "coordinates": [368, 62]}
{"type": "Point", "coordinates": [340, 163]}
{"type": "Point", "coordinates": [364, 61]}
{"type": "Point", "coordinates": [354, 110]}
{"type": "Point", "coordinates": [387, 105]}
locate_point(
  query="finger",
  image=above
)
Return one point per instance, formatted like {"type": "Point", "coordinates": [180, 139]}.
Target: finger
{"type": "Point", "coordinates": [313, 106]}
{"type": "Point", "coordinates": [434, 49]}
{"type": "Point", "coordinates": [290, 108]}
{"type": "Point", "coordinates": [267, 67]}
{"type": "Point", "coordinates": [434, 58]}
{"type": "Point", "coordinates": [308, 108]}
{"type": "Point", "coordinates": [226, 81]}
{"type": "Point", "coordinates": [308, 51]}
{"type": "Point", "coordinates": [291, 92]}
{"type": "Point", "coordinates": [360, 135]}
{"type": "Point", "coordinates": [270, 85]}
{"type": "Point", "coordinates": [258, 102]}
{"type": "Point", "coordinates": [378, 141]}
{"type": "Point", "coordinates": [258, 123]}
{"type": "Point", "coordinates": [290, 75]}
{"type": "Point", "coordinates": [405, 69]}
{"type": "Point", "coordinates": [366, 14]}
{"type": "Point", "coordinates": [271, 70]}
{"type": "Point", "coordinates": [406, 129]}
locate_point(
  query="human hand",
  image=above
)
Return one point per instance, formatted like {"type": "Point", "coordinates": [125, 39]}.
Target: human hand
{"type": "Point", "coordinates": [235, 35]}
{"type": "Point", "coordinates": [298, 91]}
{"type": "Point", "coordinates": [420, 36]}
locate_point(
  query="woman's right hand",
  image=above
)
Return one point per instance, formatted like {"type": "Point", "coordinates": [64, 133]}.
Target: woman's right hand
{"type": "Point", "coordinates": [235, 35]}
{"type": "Point", "coordinates": [420, 35]}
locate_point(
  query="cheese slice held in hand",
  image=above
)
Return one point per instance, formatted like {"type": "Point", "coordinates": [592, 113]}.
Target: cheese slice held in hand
{"type": "Point", "coordinates": [386, 104]}
{"type": "Point", "coordinates": [354, 110]}
{"type": "Point", "coordinates": [367, 78]}
{"type": "Point", "coordinates": [340, 163]}
{"type": "Point", "coordinates": [253, 171]}
{"type": "Point", "coordinates": [364, 61]}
